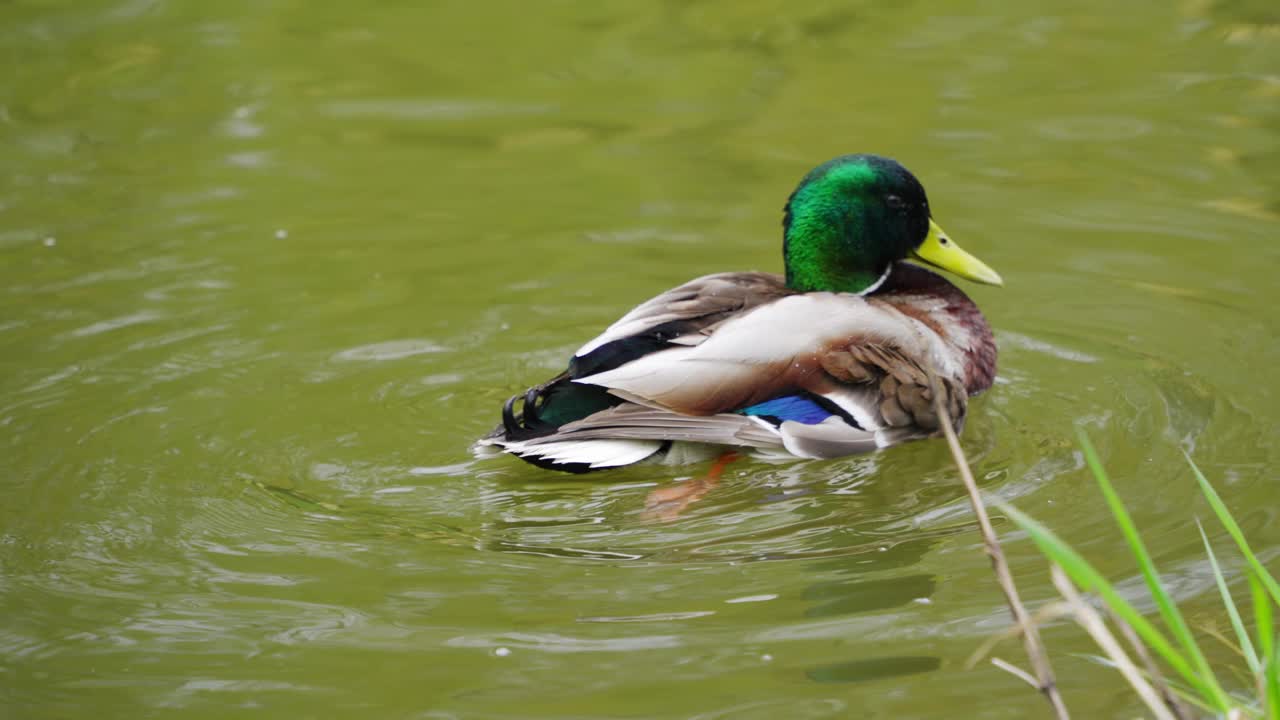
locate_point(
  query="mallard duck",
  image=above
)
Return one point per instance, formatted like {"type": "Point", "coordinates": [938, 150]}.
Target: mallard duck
{"type": "Point", "coordinates": [832, 359]}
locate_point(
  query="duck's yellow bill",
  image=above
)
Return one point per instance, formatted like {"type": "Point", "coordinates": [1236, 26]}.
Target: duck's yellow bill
{"type": "Point", "coordinates": [942, 252]}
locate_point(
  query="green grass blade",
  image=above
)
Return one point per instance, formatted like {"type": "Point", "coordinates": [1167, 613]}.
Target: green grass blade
{"type": "Point", "coordinates": [1233, 529]}
{"type": "Point", "coordinates": [1164, 603]}
{"type": "Point", "coordinates": [1242, 635]}
{"type": "Point", "coordinates": [1273, 682]}
{"type": "Point", "coordinates": [1090, 580]}
{"type": "Point", "coordinates": [1262, 615]}
{"type": "Point", "coordinates": [1264, 619]}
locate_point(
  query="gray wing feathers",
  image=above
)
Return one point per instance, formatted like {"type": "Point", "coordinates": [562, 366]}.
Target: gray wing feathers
{"type": "Point", "coordinates": [704, 303]}
{"type": "Point", "coordinates": [636, 422]}
{"type": "Point", "coordinates": [829, 439]}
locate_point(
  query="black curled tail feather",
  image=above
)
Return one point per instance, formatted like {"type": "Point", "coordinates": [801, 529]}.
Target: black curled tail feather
{"type": "Point", "coordinates": [509, 423]}
{"type": "Point", "coordinates": [542, 409]}
{"type": "Point", "coordinates": [527, 422]}
{"type": "Point", "coordinates": [520, 419]}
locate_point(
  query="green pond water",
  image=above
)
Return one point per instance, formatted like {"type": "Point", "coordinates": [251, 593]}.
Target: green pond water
{"type": "Point", "coordinates": [268, 267]}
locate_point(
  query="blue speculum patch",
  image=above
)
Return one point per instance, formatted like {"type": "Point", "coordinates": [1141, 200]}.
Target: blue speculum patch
{"type": "Point", "coordinates": [792, 407]}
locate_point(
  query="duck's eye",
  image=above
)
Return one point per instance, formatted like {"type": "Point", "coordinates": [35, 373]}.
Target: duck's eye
{"type": "Point", "coordinates": [894, 202]}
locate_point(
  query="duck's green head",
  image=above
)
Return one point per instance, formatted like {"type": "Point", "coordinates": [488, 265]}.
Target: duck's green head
{"type": "Point", "coordinates": [851, 218]}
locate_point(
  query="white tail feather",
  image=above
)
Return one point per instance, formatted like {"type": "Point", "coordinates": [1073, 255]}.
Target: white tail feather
{"type": "Point", "coordinates": [595, 453]}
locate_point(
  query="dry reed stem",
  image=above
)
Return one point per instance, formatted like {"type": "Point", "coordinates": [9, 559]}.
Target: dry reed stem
{"type": "Point", "coordinates": [1016, 671]}
{"type": "Point", "coordinates": [1030, 634]}
{"type": "Point", "coordinates": [1154, 676]}
{"type": "Point", "coordinates": [1046, 613]}
{"type": "Point", "coordinates": [1093, 624]}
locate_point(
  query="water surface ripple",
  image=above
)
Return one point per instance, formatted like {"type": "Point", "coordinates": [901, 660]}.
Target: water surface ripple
{"type": "Point", "coordinates": [268, 269]}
